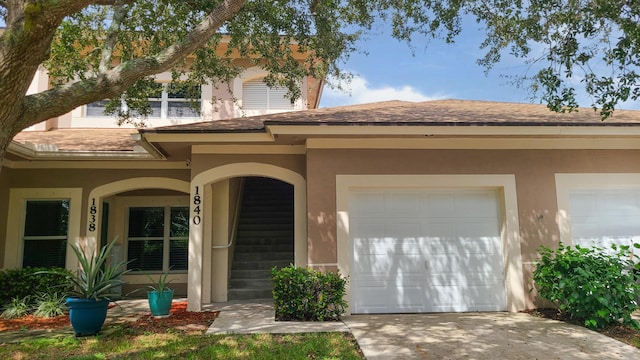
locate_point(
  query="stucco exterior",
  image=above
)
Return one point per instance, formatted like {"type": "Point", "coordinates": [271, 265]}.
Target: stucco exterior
{"type": "Point", "coordinates": [325, 153]}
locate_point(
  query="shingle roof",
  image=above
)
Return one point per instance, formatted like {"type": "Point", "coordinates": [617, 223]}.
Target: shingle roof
{"type": "Point", "coordinates": [394, 113]}
{"type": "Point", "coordinates": [81, 139]}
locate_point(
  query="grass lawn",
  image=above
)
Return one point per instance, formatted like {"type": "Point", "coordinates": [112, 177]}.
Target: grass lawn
{"type": "Point", "coordinates": [128, 343]}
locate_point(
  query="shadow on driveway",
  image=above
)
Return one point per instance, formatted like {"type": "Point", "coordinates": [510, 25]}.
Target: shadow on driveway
{"type": "Point", "coordinates": [480, 336]}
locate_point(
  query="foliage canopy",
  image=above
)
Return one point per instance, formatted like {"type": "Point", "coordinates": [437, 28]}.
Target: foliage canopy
{"type": "Point", "coordinates": [99, 49]}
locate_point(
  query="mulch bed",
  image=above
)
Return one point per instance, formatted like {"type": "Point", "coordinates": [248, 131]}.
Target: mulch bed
{"type": "Point", "coordinates": [180, 319]}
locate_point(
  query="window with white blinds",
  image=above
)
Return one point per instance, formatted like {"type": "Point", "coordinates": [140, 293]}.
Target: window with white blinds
{"type": "Point", "coordinates": [256, 95]}
{"type": "Point", "coordinates": [158, 238]}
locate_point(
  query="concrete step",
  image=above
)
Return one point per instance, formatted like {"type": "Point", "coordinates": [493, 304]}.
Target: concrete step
{"type": "Point", "coordinates": [262, 256]}
{"type": "Point", "coordinates": [251, 284]}
{"type": "Point", "coordinates": [265, 226]}
{"type": "Point", "coordinates": [251, 274]}
{"type": "Point", "coordinates": [242, 234]}
{"type": "Point", "coordinates": [259, 265]}
{"type": "Point", "coordinates": [249, 294]}
{"type": "Point", "coordinates": [264, 248]}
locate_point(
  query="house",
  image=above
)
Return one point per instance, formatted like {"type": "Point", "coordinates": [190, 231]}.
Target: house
{"type": "Point", "coordinates": [426, 207]}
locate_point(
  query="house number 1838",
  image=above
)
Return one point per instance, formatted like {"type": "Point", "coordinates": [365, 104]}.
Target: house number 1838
{"type": "Point", "coordinates": [196, 210]}
{"type": "Point", "coordinates": [93, 210]}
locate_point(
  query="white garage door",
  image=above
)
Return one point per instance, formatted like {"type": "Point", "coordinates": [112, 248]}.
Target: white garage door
{"type": "Point", "coordinates": [602, 217]}
{"type": "Point", "coordinates": [425, 250]}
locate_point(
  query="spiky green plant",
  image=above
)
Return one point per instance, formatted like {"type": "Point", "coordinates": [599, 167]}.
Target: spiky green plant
{"type": "Point", "coordinates": [96, 278]}
{"type": "Point", "coordinates": [18, 307]}
{"type": "Point", "coordinates": [50, 305]}
{"type": "Point", "coordinates": [160, 285]}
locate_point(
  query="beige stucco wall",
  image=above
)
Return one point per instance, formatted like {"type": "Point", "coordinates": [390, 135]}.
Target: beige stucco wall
{"type": "Point", "coordinates": [4, 203]}
{"type": "Point", "coordinates": [534, 172]}
{"type": "Point", "coordinates": [204, 162]}
{"type": "Point", "coordinates": [87, 179]}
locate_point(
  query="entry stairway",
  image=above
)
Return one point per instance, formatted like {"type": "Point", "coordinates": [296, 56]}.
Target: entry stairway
{"type": "Point", "coordinates": [264, 238]}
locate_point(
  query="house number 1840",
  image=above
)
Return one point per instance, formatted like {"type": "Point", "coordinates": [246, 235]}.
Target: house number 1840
{"type": "Point", "coordinates": [196, 210]}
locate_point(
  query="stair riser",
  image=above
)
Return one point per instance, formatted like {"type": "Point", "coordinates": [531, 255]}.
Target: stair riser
{"type": "Point", "coordinates": [271, 256]}
{"type": "Point", "coordinates": [249, 294]}
{"type": "Point", "coordinates": [264, 248]}
{"type": "Point", "coordinates": [258, 265]}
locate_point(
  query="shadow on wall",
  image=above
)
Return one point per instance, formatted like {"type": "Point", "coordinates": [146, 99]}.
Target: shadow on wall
{"type": "Point", "coordinates": [540, 227]}
{"type": "Point", "coordinates": [322, 243]}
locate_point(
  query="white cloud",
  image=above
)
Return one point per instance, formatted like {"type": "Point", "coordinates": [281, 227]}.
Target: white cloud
{"type": "Point", "coordinates": [360, 91]}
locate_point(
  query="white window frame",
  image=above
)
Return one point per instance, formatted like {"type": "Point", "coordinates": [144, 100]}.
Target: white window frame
{"type": "Point", "coordinates": [166, 202]}
{"type": "Point", "coordinates": [568, 182]}
{"type": "Point", "coordinates": [18, 198]}
{"type": "Point", "coordinates": [164, 105]}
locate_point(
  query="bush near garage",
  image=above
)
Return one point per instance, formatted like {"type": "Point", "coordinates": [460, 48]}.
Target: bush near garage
{"type": "Point", "coordinates": [24, 282]}
{"type": "Point", "coordinates": [589, 285]}
{"type": "Point", "coordinates": [309, 295]}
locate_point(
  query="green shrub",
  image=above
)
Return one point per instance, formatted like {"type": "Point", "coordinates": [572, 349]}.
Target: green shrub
{"type": "Point", "coordinates": [589, 284]}
{"type": "Point", "coordinates": [16, 308]}
{"type": "Point", "coordinates": [306, 294]}
{"type": "Point", "coordinates": [20, 283]}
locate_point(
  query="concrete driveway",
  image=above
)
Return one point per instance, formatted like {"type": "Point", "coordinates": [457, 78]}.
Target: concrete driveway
{"type": "Point", "coordinates": [480, 336]}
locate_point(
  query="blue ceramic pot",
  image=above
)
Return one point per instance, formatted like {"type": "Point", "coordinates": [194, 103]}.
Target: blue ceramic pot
{"type": "Point", "coordinates": [87, 315]}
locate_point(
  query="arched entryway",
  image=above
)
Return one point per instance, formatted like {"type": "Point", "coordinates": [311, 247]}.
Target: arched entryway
{"type": "Point", "coordinates": [209, 268]}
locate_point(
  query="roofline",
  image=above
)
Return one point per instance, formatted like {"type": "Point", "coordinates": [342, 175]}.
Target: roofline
{"type": "Point", "coordinates": [415, 129]}
{"type": "Point", "coordinates": [31, 153]}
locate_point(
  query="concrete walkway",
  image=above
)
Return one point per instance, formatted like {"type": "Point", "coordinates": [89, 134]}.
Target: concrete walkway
{"type": "Point", "coordinates": [480, 336]}
{"type": "Point", "coordinates": [259, 317]}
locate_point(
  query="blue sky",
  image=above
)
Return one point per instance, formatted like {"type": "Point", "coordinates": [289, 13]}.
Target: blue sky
{"type": "Point", "coordinates": [435, 70]}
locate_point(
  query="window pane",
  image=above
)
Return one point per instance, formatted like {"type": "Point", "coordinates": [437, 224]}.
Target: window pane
{"type": "Point", "coordinates": [47, 218]}
{"type": "Point", "coordinates": [178, 252]}
{"type": "Point", "coordinates": [182, 109]}
{"type": "Point", "coordinates": [145, 255]}
{"type": "Point", "coordinates": [156, 108]}
{"type": "Point", "coordinates": [179, 222]}
{"type": "Point", "coordinates": [44, 253]}
{"type": "Point", "coordinates": [146, 222]}
{"type": "Point", "coordinates": [97, 108]}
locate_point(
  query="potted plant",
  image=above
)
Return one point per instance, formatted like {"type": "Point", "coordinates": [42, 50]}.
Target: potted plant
{"type": "Point", "coordinates": [93, 286]}
{"type": "Point", "coordinates": [160, 295]}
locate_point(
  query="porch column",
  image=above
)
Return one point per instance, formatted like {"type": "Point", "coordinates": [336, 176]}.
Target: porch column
{"type": "Point", "coordinates": [219, 270]}
{"type": "Point", "coordinates": [194, 277]}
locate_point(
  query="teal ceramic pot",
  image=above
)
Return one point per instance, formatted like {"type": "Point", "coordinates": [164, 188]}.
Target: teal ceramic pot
{"type": "Point", "coordinates": [160, 304]}
{"type": "Point", "coordinates": [87, 315]}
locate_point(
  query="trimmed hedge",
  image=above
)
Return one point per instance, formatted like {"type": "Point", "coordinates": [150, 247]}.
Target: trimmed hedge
{"type": "Point", "coordinates": [309, 295]}
{"type": "Point", "coordinates": [589, 284]}
{"type": "Point", "coordinates": [24, 282]}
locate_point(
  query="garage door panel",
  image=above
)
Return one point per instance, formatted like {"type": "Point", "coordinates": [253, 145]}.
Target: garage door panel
{"type": "Point", "coordinates": [403, 204]}
{"type": "Point", "coordinates": [439, 257]}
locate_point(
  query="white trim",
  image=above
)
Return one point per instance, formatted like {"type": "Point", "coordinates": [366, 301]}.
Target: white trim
{"type": "Point", "coordinates": [208, 137]}
{"type": "Point", "coordinates": [125, 203]}
{"type": "Point", "coordinates": [478, 143]}
{"type": "Point", "coordinates": [510, 231]}
{"type": "Point", "coordinates": [249, 149]}
{"type": "Point", "coordinates": [196, 239]}
{"type": "Point", "coordinates": [431, 130]}
{"type": "Point", "coordinates": [15, 221]}
{"type": "Point", "coordinates": [567, 182]}
{"type": "Point", "coordinates": [103, 191]}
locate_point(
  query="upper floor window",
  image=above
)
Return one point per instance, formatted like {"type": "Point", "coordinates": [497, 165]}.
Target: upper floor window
{"type": "Point", "coordinates": [256, 95]}
{"type": "Point", "coordinates": [45, 233]}
{"type": "Point", "coordinates": [167, 101]}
